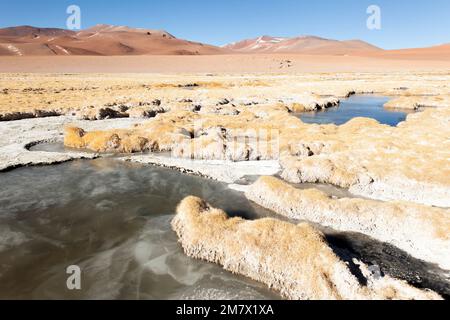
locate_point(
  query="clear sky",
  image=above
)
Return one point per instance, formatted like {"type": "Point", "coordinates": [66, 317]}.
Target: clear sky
{"type": "Point", "coordinates": [405, 23]}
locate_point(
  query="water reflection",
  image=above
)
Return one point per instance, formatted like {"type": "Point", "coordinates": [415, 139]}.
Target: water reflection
{"type": "Point", "coordinates": [366, 106]}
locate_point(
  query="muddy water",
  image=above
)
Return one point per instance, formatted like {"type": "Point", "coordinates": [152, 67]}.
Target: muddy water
{"type": "Point", "coordinates": [113, 220]}
{"type": "Point", "coordinates": [366, 106]}
{"type": "Point", "coordinates": [54, 147]}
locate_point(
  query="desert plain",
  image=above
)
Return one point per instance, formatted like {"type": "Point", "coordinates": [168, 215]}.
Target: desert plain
{"type": "Point", "coordinates": [225, 117]}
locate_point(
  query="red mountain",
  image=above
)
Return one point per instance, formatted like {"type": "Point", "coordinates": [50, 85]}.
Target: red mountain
{"type": "Point", "coordinates": [104, 40]}
{"type": "Point", "coordinates": [304, 44]}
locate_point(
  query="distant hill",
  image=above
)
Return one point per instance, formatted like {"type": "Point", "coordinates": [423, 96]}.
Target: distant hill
{"type": "Point", "coordinates": [104, 40]}
{"type": "Point", "coordinates": [440, 52]}
{"type": "Point", "coordinates": [303, 44]}
{"type": "Point", "coordinates": [110, 40]}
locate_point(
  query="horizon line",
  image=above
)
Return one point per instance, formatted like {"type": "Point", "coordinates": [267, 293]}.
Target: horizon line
{"type": "Point", "coordinates": [221, 45]}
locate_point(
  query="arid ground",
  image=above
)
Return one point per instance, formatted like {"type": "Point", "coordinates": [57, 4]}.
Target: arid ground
{"type": "Point", "coordinates": [237, 64]}
{"type": "Point", "coordinates": [225, 117]}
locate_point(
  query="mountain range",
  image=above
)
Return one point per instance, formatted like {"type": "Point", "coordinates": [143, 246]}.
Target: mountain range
{"type": "Point", "coordinates": [106, 40]}
{"type": "Point", "coordinates": [110, 40]}
{"type": "Point", "coordinates": [303, 44]}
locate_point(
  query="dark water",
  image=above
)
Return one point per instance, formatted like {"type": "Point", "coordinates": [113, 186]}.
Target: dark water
{"type": "Point", "coordinates": [366, 106]}
{"type": "Point", "coordinates": [52, 147]}
{"type": "Point", "coordinates": [113, 220]}
{"type": "Point", "coordinates": [55, 147]}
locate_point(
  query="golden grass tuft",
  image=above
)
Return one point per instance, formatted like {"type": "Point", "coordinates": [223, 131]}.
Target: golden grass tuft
{"type": "Point", "coordinates": [73, 137]}
{"type": "Point", "coordinates": [294, 260]}
{"type": "Point", "coordinates": [425, 231]}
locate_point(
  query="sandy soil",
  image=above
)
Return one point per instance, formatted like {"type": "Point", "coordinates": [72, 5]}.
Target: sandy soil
{"type": "Point", "coordinates": [237, 64]}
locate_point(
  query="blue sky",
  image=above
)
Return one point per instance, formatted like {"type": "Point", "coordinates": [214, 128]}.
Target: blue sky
{"type": "Point", "coordinates": [405, 23]}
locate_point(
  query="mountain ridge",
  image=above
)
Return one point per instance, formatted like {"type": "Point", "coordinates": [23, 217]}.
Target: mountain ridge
{"type": "Point", "coordinates": [112, 40]}
{"type": "Point", "coordinates": [300, 44]}
{"type": "Point", "coordinates": [102, 39]}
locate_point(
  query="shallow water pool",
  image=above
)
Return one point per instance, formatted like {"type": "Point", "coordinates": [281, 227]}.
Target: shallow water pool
{"type": "Point", "coordinates": [112, 218]}
{"type": "Point", "coordinates": [367, 106]}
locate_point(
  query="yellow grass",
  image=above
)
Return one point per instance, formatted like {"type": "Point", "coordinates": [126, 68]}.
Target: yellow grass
{"type": "Point", "coordinates": [292, 259]}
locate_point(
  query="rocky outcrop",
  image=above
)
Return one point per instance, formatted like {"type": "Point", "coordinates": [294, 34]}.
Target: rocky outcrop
{"type": "Point", "coordinates": [423, 232]}
{"type": "Point", "coordinates": [294, 260]}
